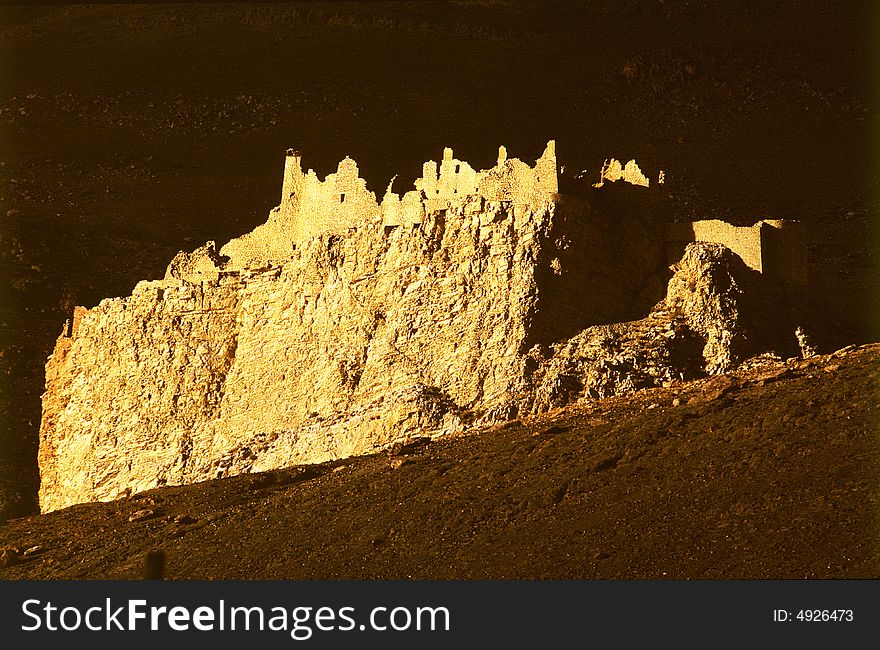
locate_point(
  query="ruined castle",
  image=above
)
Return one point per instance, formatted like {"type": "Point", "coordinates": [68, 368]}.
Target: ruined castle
{"type": "Point", "coordinates": [341, 203]}
{"type": "Point", "coordinates": [344, 324]}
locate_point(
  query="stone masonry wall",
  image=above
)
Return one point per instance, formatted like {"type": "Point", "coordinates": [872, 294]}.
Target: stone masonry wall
{"type": "Point", "coordinates": [773, 247]}
{"type": "Point", "coordinates": [341, 201]}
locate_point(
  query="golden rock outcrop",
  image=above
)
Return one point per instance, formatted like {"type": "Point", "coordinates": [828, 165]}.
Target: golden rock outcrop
{"type": "Point", "coordinates": [344, 325]}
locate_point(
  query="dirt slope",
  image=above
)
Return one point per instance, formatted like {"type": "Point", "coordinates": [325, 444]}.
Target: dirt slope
{"type": "Point", "coordinates": [766, 473]}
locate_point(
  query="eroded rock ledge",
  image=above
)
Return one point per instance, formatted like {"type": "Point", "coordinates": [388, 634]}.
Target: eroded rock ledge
{"type": "Point", "coordinates": [343, 325]}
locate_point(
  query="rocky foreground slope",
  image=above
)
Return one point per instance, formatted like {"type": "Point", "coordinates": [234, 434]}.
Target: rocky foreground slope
{"type": "Point", "coordinates": [767, 472]}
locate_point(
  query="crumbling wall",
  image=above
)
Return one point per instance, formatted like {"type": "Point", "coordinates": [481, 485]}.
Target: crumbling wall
{"type": "Point", "coordinates": [407, 212]}
{"type": "Point", "coordinates": [341, 201]}
{"type": "Point", "coordinates": [309, 207]}
{"type": "Point", "coordinates": [744, 241]}
{"type": "Point", "coordinates": [273, 240]}
{"type": "Point", "coordinates": [202, 265]}
{"type": "Point", "coordinates": [513, 181]}
{"type": "Point", "coordinates": [774, 248]}
{"type": "Point", "coordinates": [291, 185]}
{"type": "Point", "coordinates": [630, 173]}
{"type": "Point", "coordinates": [716, 312]}
{"type": "Point", "coordinates": [454, 181]}
{"type": "Point", "coordinates": [509, 181]}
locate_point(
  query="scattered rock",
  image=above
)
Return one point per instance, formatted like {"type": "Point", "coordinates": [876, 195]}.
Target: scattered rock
{"type": "Point", "coordinates": [33, 550]}
{"type": "Point", "coordinates": [184, 519]}
{"type": "Point", "coordinates": [146, 500]}
{"type": "Point", "coordinates": [409, 447]}
{"type": "Point", "coordinates": [772, 375]}
{"type": "Point", "coordinates": [508, 424]}
{"type": "Point", "coordinates": [676, 401]}
{"type": "Point", "coordinates": [140, 515]}
{"type": "Point", "coordinates": [834, 367]}
{"type": "Point", "coordinates": [806, 343]}
{"type": "Point", "coordinates": [9, 555]}
{"type": "Point", "coordinates": [716, 388]}
{"type": "Point", "coordinates": [552, 431]}
{"type": "Point", "coordinates": [607, 463]}
{"type": "Point", "coordinates": [397, 463]}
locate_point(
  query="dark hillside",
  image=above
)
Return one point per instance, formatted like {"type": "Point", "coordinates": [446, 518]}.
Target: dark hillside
{"type": "Point", "coordinates": [766, 473]}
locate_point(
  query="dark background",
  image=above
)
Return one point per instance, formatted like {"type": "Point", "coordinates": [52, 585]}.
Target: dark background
{"type": "Point", "coordinates": [131, 132]}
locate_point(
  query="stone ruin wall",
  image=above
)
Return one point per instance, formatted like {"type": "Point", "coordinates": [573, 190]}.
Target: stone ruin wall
{"type": "Point", "coordinates": [613, 171]}
{"type": "Point", "coordinates": [284, 348]}
{"type": "Point", "coordinates": [341, 201]}
{"type": "Point", "coordinates": [772, 247]}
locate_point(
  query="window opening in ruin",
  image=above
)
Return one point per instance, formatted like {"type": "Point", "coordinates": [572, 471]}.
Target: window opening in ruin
{"type": "Point", "coordinates": [457, 167]}
{"type": "Point", "coordinates": [342, 198]}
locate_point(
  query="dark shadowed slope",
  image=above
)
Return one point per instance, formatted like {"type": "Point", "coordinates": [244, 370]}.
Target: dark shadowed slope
{"type": "Point", "coordinates": [766, 473]}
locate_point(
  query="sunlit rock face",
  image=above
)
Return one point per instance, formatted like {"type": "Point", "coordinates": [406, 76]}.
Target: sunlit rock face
{"type": "Point", "coordinates": [343, 325]}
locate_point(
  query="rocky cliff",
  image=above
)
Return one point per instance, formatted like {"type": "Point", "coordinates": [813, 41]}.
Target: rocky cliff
{"type": "Point", "coordinates": [359, 337]}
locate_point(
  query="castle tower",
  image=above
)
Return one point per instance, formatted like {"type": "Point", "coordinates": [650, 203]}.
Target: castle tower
{"type": "Point", "coordinates": [547, 178]}
{"type": "Point", "coordinates": [292, 178]}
